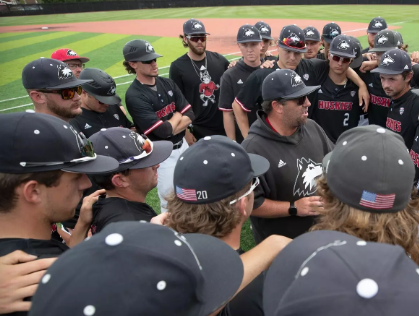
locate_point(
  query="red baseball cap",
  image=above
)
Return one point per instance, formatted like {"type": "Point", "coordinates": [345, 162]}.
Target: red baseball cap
{"type": "Point", "coordinates": [65, 54]}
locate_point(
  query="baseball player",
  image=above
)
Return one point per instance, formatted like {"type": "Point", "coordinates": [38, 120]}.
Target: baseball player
{"type": "Point", "coordinates": [72, 59]}
{"type": "Point", "coordinates": [294, 145]}
{"type": "Point", "coordinates": [313, 42]}
{"type": "Point", "coordinates": [376, 25]}
{"type": "Point", "coordinates": [267, 40]}
{"type": "Point", "coordinates": [395, 71]}
{"type": "Point", "coordinates": [330, 31]}
{"type": "Point", "coordinates": [99, 104]}
{"type": "Point", "coordinates": [158, 108]}
{"type": "Point", "coordinates": [197, 74]}
{"type": "Point", "coordinates": [335, 104]}
{"type": "Point", "coordinates": [249, 43]}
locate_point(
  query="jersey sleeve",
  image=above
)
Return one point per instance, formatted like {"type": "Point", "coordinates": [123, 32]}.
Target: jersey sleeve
{"type": "Point", "coordinates": [174, 74]}
{"type": "Point", "coordinates": [182, 105]}
{"type": "Point", "coordinates": [226, 94]}
{"type": "Point", "coordinates": [319, 70]}
{"type": "Point", "coordinates": [250, 92]}
{"type": "Point", "coordinates": [125, 121]}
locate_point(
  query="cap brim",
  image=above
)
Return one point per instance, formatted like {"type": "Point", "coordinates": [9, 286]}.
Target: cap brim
{"type": "Point", "coordinates": [340, 54]}
{"type": "Point", "coordinates": [357, 62]}
{"type": "Point", "coordinates": [327, 40]}
{"type": "Point", "coordinates": [313, 39]}
{"type": "Point", "coordinates": [109, 99]}
{"type": "Point", "coordinates": [222, 269]}
{"type": "Point", "coordinates": [71, 84]}
{"type": "Point", "coordinates": [387, 71]}
{"type": "Point", "coordinates": [326, 160]}
{"type": "Point", "coordinates": [373, 31]}
{"type": "Point", "coordinates": [147, 57]}
{"type": "Point", "coordinates": [260, 165]}
{"type": "Point", "coordinates": [267, 37]}
{"type": "Point", "coordinates": [380, 49]}
{"type": "Point", "coordinates": [302, 50]}
{"type": "Point", "coordinates": [250, 41]}
{"type": "Point", "coordinates": [101, 164]}
{"type": "Point", "coordinates": [198, 33]}
{"type": "Point", "coordinates": [82, 59]}
{"type": "Point", "coordinates": [306, 91]}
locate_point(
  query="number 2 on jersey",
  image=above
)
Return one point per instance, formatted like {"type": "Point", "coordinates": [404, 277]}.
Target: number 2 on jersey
{"type": "Point", "coordinates": [346, 119]}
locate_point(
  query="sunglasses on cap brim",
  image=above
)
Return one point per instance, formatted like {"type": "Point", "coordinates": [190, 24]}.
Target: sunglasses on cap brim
{"type": "Point", "coordinates": [252, 188]}
{"type": "Point", "coordinates": [293, 44]}
{"type": "Point", "coordinates": [300, 100]}
{"type": "Point", "coordinates": [345, 60]}
{"type": "Point", "coordinates": [144, 145]}
{"type": "Point", "coordinates": [66, 94]}
{"type": "Point", "coordinates": [196, 39]}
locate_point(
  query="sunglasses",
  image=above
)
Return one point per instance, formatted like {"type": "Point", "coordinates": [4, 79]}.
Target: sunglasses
{"type": "Point", "coordinates": [148, 62]}
{"type": "Point", "coordinates": [292, 43]}
{"type": "Point", "coordinates": [144, 145]}
{"type": "Point", "coordinates": [196, 39]}
{"type": "Point", "coordinates": [345, 60]}
{"type": "Point", "coordinates": [252, 188]}
{"type": "Point", "coordinates": [66, 94]}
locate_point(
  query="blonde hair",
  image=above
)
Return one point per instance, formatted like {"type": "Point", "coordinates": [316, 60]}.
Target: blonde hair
{"type": "Point", "coordinates": [400, 228]}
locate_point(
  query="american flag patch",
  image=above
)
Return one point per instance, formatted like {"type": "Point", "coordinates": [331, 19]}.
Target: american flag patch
{"type": "Point", "coordinates": [186, 194]}
{"type": "Point", "coordinates": [377, 201]}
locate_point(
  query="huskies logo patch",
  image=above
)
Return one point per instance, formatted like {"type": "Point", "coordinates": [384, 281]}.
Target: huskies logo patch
{"type": "Point", "coordinates": [309, 32]}
{"type": "Point", "coordinates": [112, 90]}
{"type": "Point", "coordinates": [64, 72]}
{"type": "Point", "coordinates": [264, 29]}
{"type": "Point", "coordinates": [248, 32]}
{"type": "Point", "coordinates": [116, 116]}
{"type": "Point", "coordinates": [149, 48]}
{"type": "Point", "coordinates": [196, 26]}
{"type": "Point", "coordinates": [306, 76]}
{"type": "Point", "coordinates": [343, 45]}
{"type": "Point", "coordinates": [296, 80]}
{"type": "Point", "coordinates": [294, 37]}
{"type": "Point", "coordinates": [334, 33]}
{"type": "Point", "coordinates": [377, 24]}
{"type": "Point", "coordinates": [71, 53]}
{"type": "Point", "coordinates": [387, 60]}
{"type": "Point", "coordinates": [308, 171]}
{"type": "Point", "coordinates": [382, 39]}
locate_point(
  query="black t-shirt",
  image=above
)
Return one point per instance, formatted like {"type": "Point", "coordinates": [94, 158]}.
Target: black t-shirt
{"type": "Point", "coordinates": [91, 122]}
{"type": "Point", "coordinates": [403, 117]}
{"type": "Point", "coordinates": [414, 153]}
{"type": "Point", "coordinates": [149, 108]}
{"type": "Point", "coordinates": [113, 209]}
{"type": "Point", "coordinates": [320, 56]}
{"type": "Point", "coordinates": [336, 108]}
{"type": "Point", "coordinates": [201, 86]}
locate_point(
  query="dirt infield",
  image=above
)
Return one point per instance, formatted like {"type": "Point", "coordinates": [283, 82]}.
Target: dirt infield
{"type": "Point", "coordinates": [223, 31]}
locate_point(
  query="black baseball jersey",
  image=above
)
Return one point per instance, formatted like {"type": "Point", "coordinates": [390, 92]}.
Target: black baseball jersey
{"type": "Point", "coordinates": [149, 108]}
{"type": "Point", "coordinates": [91, 122]}
{"type": "Point", "coordinates": [403, 117]}
{"type": "Point", "coordinates": [320, 56]}
{"type": "Point", "coordinates": [201, 86]}
{"type": "Point", "coordinates": [336, 107]}
{"type": "Point", "coordinates": [414, 153]}
{"type": "Point", "coordinates": [365, 50]}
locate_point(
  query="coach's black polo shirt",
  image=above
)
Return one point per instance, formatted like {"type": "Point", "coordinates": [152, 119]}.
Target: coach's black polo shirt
{"type": "Point", "coordinates": [37, 247]}
{"type": "Point", "coordinates": [114, 209]}
{"type": "Point", "coordinates": [91, 122]}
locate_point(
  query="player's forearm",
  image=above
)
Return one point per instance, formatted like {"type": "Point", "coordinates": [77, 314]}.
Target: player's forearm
{"type": "Point", "coordinates": [229, 126]}
{"type": "Point", "coordinates": [175, 120]}
{"type": "Point", "coordinates": [241, 118]}
{"type": "Point", "coordinates": [353, 76]}
{"type": "Point", "coordinates": [272, 209]}
{"type": "Point", "coordinates": [183, 124]}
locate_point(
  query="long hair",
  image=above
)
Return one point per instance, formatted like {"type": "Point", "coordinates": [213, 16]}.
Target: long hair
{"type": "Point", "coordinates": [399, 228]}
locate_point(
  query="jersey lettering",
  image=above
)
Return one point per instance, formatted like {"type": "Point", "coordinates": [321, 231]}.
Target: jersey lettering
{"type": "Point", "coordinates": [381, 101]}
{"type": "Point", "coordinates": [394, 125]}
{"type": "Point", "coordinates": [415, 158]}
{"type": "Point", "coordinates": [335, 105]}
{"type": "Point", "coordinates": [166, 110]}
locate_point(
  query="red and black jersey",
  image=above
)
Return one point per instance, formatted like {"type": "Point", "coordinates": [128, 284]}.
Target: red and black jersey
{"type": "Point", "coordinates": [149, 108]}
{"type": "Point", "coordinates": [403, 117]}
{"type": "Point", "coordinates": [336, 108]}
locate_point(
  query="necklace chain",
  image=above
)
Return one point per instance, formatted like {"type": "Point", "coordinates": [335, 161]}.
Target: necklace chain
{"type": "Point", "coordinates": [196, 68]}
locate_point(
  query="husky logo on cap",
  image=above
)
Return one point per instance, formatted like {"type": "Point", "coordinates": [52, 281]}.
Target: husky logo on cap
{"type": "Point", "coordinates": [71, 53]}
{"type": "Point", "coordinates": [149, 48]}
{"type": "Point", "coordinates": [248, 32]}
{"type": "Point", "coordinates": [264, 29]}
{"type": "Point", "coordinates": [382, 39]}
{"type": "Point", "coordinates": [138, 141]}
{"type": "Point", "coordinates": [343, 45]}
{"type": "Point", "coordinates": [309, 32]}
{"type": "Point", "coordinates": [377, 24]}
{"type": "Point", "coordinates": [294, 37]}
{"type": "Point", "coordinates": [196, 26]}
{"type": "Point", "coordinates": [387, 60]}
{"type": "Point", "coordinates": [112, 90]}
{"type": "Point", "coordinates": [64, 72]}
{"type": "Point", "coordinates": [296, 80]}
{"type": "Point", "coordinates": [334, 33]}
{"type": "Point", "coordinates": [308, 171]}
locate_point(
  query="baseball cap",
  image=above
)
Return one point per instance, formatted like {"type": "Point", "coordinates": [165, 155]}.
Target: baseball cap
{"type": "Point", "coordinates": [217, 166]}
{"type": "Point", "coordinates": [264, 30]}
{"type": "Point", "coordinates": [357, 61]}
{"type": "Point", "coordinates": [193, 27]}
{"type": "Point", "coordinates": [330, 31]}
{"type": "Point", "coordinates": [370, 169]}
{"type": "Point", "coordinates": [292, 38]}
{"type": "Point", "coordinates": [342, 45]}
{"type": "Point", "coordinates": [65, 54]}
{"type": "Point", "coordinates": [394, 62]}
{"type": "Point", "coordinates": [248, 33]}
{"type": "Point", "coordinates": [35, 142]}
{"type": "Point", "coordinates": [139, 50]}
{"type": "Point", "coordinates": [102, 87]}
{"type": "Point", "coordinates": [377, 24]}
{"type": "Point", "coordinates": [130, 149]}
{"type": "Point", "coordinates": [285, 84]}
{"type": "Point", "coordinates": [311, 34]}
{"type": "Point", "coordinates": [399, 38]}
{"type": "Point", "coordinates": [47, 73]}
{"type": "Point", "coordinates": [384, 41]}
{"type": "Point", "coordinates": [329, 273]}
{"type": "Point", "coordinates": [133, 268]}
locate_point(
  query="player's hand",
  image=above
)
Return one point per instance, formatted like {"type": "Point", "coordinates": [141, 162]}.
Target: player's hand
{"type": "Point", "coordinates": [190, 139]}
{"type": "Point", "coordinates": [308, 206]}
{"type": "Point", "coordinates": [364, 98]}
{"type": "Point", "coordinates": [370, 56]}
{"type": "Point", "coordinates": [268, 53]}
{"type": "Point", "coordinates": [20, 274]}
{"type": "Point", "coordinates": [415, 57]}
{"type": "Point", "coordinates": [232, 64]}
{"type": "Point", "coordinates": [268, 64]}
{"type": "Point", "coordinates": [368, 65]}
{"type": "Point", "coordinates": [86, 210]}
{"type": "Point", "coordinates": [159, 219]}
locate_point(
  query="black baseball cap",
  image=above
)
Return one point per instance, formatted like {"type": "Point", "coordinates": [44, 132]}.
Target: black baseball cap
{"type": "Point", "coordinates": [248, 33]}
{"type": "Point", "coordinates": [399, 38]}
{"type": "Point", "coordinates": [130, 149]}
{"type": "Point", "coordinates": [376, 25]}
{"type": "Point", "coordinates": [285, 84]}
{"type": "Point", "coordinates": [102, 88]}
{"type": "Point", "coordinates": [357, 61]}
{"type": "Point", "coordinates": [330, 31]}
{"type": "Point", "coordinates": [35, 142]}
{"type": "Point", "coordinates": [311, 34]}
{"type": "Point", "coordinates": [50, 74]}
{"type": "Point", "coordinates": [264, 30]}
{"type": "Point", "coordinates": [343, 46]}
{"type": "Point", "coordinates": [329, 273]}
{"type": "Point", "coordinates": [384, 41]}
{"type": "Point", "coordinates": [394, 62]}
{"type": "Point", "coordinates": [133, 268]}
{"type": "Point", "coordinates": [194, 27]}
{"type": "Point", "coordinates": [218, 166]}
{"type": "Point", "coordinates": [292, 38]}
{"type": "Point", "coordinates": [370, 169]}
{"type": "Point", "coordinates": [139, 50]}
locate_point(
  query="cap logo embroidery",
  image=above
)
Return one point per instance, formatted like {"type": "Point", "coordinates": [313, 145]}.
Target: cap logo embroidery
{"type": "Point", "coordinates": [149, 48]}
{"type": "Point", "coordinates": [112, 90]}
{"type": "Point", "coordinates": [264, 29]}
{"type": "Point", "coordinates": [309, 32]}
{"type": "Point", "coordinates": [137, 141]}
{"type": "Point", "coordinates": [377, 24]}
{"type": "Point", "coordinates": [308, 171]}
{"type": "Point", "coordinates": [71, 53]}
{"type": "Point", "coordinates": [382, 39]}
{"type": "Point", "coordinates": [78, 138]}
{"type": "Point", "coordinates": [406, 67]}
{"type": "Point", "coordinates": [64, 72]}
{"type": "Point", "coordinates": [334, 33]}
{"type": "Point", "coordinates": [294, 37]}
{"type": "Point", "coordinates": [248, 32]}
{"type": "Point", "coordinates": [296, 80]}
{"type": "Point", "coordinates": [387, 60]}
{"type": "Point", "coordinates": [343, 45]}
{"type": "Point", "coordinates": [196, 26]}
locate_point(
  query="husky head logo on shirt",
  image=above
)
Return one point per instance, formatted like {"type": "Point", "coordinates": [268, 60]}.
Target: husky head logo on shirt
{"type": "Point", "coordinates": [382, 39]}
{"type": "Point", "coordinates": [71, 53]}
{"type": "Point", "coordinates": [296, 80]}
{"type": "Point", "coordinates": [308, 171]}
{"type": "Point", "coordinates": [387, 60]}
{"type": "Point", "coordinates": [343, 45]}
{"type": "Point", "coordinates": [377, 24]}
{"type": "Point", "coordinates": [149, 48]}
{"type": "Point", "coordinates": [196, 26]}
{"type": "Point", "coordinates": [309, 33]}
{"type": "Point", "coordinates": [64, 72]}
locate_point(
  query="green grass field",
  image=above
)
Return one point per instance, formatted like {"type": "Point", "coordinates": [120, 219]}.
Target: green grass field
{"type": "Point", "coordinates": [105, 50]}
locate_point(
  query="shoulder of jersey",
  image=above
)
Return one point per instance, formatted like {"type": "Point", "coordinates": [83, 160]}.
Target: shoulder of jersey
{"type": "Point", "coordinates": [182, 58]}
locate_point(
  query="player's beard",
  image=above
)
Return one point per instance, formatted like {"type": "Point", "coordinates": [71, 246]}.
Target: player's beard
{"type": "Point", "coordinates": [66, 112]}
{"type": "Point", "coordinates": [198, 50]}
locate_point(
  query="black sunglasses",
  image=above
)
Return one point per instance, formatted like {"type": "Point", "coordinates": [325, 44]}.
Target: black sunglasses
{"type": "Point", "coordinates": [196, 39]}
{"type": "Point", "coordinates": [148, 62]}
